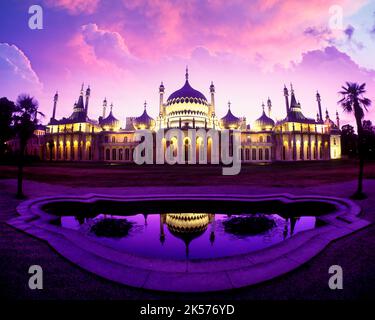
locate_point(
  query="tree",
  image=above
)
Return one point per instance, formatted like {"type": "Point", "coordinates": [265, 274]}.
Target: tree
{"type": "Point", "coordinates": [7, 108]}
{"type": "Point", "coordinates": [25, 122]}
{"type": "Point", "coordinates": [348, 141]}
{"type": "Point", "coordinates": [353, 101]}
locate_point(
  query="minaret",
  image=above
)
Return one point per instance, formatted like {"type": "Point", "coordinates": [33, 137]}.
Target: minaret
{"type": "Point", "coordinates": [286, 95]}
{"type": "Point", "coordinates": [104, 107]}
{"type": "Point", "coordinates": [55, 99]}
{"type": "Point", "coordinates": [88, 91]}
{"type": "Point", "coordinates": [293, 101]}
{"type": "Point", "coordinates": [319, 105]}
{"type": "Point", "coordinates": [337, 119]}
{"type": "Point", "coordinates": [327, 114]}
{"type": "Point", "coordinates": [212, 91]}
{"type": "Point", "coordinates": [269, 105]}
{"type": "Point", "coordinates": [161, 100]}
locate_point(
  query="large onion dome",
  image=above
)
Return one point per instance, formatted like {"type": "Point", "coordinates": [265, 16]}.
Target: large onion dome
{"type": "Point", "coordinates": [144, 121]}
{"type": "Point", "coordinates": [264, 122]}
{"type": "Point", "coordinates": [230, 121]}
{"type": "Point", "coordinates": [110, 123]}
{"type": "Point", "coordinates": [187, 94]}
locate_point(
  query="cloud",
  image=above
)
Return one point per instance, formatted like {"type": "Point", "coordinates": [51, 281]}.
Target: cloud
{"type": "Point", "coordinates": [242, 27]}
{"type": "Point", "coordinates": [107, 45]}
{"type": "Point", "coordinates": [16, 73]}
{"type": "Point", "coordinates": [74, 7]}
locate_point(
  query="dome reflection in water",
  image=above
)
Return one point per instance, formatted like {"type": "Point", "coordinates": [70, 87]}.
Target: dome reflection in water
{"type": "Point", "coordinates": [192, 235]}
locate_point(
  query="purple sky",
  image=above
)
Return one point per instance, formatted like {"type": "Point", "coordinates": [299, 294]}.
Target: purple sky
{"type": "Point", "coordinates": [249, 49]}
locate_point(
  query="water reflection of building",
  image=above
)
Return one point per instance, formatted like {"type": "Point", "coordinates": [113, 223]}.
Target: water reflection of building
{"type": "Point", "coordinates": [187, 226]}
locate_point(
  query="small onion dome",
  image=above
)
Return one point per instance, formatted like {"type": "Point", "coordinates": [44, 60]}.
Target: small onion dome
{"type": "Point", "coordinates": [144, 121]}
{"type": "Point", "coordinates": [230, 121]}
{"type": "Point", "coordinates": [110, 122]}
{"type": "Point", "coordinates": [264, 122]}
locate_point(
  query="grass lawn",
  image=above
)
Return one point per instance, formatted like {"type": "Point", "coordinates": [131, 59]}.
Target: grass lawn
{"type": "Point", "coordinates": [289, 174]}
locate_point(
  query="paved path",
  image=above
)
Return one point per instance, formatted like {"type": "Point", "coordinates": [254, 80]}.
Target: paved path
{"type": "Point", "coordinates": [63, 280]}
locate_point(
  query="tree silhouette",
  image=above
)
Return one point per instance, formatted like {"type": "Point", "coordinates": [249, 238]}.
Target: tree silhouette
{"type": "Point", "coordinates": [7, 108]}
{"type": "Point", "coordinates": [354, 102]}
{"type": "Point", "coordinates": [25, 122]}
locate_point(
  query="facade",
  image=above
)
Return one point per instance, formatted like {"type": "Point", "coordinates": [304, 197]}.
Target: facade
{"type": "Point", "coordinates": [295, 138]}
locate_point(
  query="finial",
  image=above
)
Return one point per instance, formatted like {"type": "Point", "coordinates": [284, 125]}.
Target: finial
{"type": "Point", "coordinates": [145, 104]}
{"type": "Point", "coordinates": [229, 104]}
{"type": "Point", "coordinates": [111, 106]}
{"type": "Point", "coordinates": [82, 86]}
{"type": "Point", "coordinates": [263, 106]}
{"type": "Point", "coordinates": [187, 73]}
{"type": "Point", "coordinates": [291, 87]}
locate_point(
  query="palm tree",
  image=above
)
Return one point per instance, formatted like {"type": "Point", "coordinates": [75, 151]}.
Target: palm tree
{"type": "Point", "coordinates": [353, 101]}
{"type": "Point", "coordinates": [25, 121]}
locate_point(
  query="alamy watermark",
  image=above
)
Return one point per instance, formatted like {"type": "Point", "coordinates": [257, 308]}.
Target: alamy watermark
{"type": "Point", "coordinates": [36, 280]}
{"type": "Point", "coordinates": [174, 146]}
{"type": "Point", "coordinates": [36, 18]}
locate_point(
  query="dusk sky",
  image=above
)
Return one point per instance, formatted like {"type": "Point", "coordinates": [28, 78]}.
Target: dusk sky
{"type": "Point", "coordinates": [123, 49]}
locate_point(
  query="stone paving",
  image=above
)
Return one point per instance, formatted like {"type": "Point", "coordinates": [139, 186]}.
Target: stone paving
{"type": "Point", "coordinates": [63, 280]}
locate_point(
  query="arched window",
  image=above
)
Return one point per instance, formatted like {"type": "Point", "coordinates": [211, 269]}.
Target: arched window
{"type": "Point", "coordinates": [268, 139]}
{"type": "Point", "coordinates": [113, 139]}
{"type": "Point", "coordinates": [127, 154]}
{"type": "Point", "coordinates": [120, 152]}
{"type": "Point", "coordinates": [107, 154]}
{"type": "Point", "coordinates": [334, 141]}
{"type": "Point", "coordinates": [253, 154]}
{"type": "Point", "coordinates": [261, 139]}
{"type": "Point", "coordinates": [113, 154]}
{"type": "Point", "coordinates": [125, 139]}
{"type": "Point", "coordinates": [267, 154]}
{"type": "Point", "coordinates": [260, 154]}
{"type": "Point", "coordinates": [247, 154]}
{"type": "Point", "coordinates": [106, 139]}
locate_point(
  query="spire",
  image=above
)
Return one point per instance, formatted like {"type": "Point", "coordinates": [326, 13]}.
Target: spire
{"type": "Point", "coordinates": [229, 104]}
{"type": "Point", "coordinates": [111, 107]}
{"type": "Point", "coordinates": [269, 105]}
{"type": "Point", "coordinates": [263, 106]}
{"type": "Point", "coordinates": [145, 105]}
{"type": "Point", "coordinates": [161, 87]}
{"type": "Point", "coordinates": [319, 105]}
{"type": "Point", "coordinates": [55, 99]}
{"type": "Point", "coordinates": [82, 88]}
{"type": "Point", "coordinates": [293, 101]}
{"type": "Point", "coordinates": [337, 119]}
{"type": "Point", "coordinates": [212, 87]}
{"type": "Point", "coordinates": [88, 91]}
{"type": "Point", "coordinates": [187, 73]}
{"type": "Point", "coordinates": [104, 107]}
{"type": "Point", "coordinates": [327, 114]}
{"type": "Point", "coordinates": [286, 95]}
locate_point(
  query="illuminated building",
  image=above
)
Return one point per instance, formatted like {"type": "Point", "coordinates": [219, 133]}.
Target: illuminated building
{"type": "Point", "coordinates": [294, 138]}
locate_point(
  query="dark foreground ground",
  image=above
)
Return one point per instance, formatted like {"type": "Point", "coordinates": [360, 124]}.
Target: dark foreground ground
{"type": "Point", "coordinates": [63, 280]}
{"type": "Point", "coordinates": [275, 175]}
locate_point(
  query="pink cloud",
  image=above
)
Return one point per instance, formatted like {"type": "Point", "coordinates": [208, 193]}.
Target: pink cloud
{"type": "Point", "coordinates": [74, 6]}
{"type": "Point", "coordinates": [274, 29]}
{"type": "Point", "coordinates": [107, 45]}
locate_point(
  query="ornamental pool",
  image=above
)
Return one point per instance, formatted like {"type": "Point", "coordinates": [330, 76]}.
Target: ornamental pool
{"type": "Point", "coordinates": [187, 229]}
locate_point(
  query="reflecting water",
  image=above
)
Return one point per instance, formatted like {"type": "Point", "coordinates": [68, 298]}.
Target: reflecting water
{"type": "Point", "coordinates": [190, 235]}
